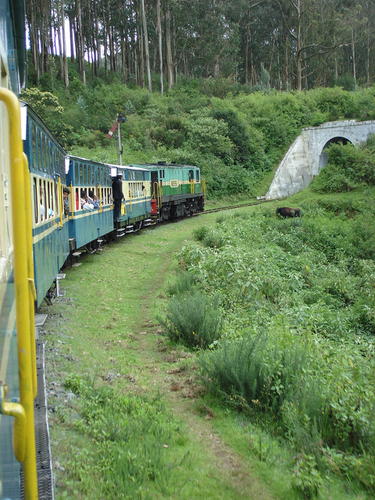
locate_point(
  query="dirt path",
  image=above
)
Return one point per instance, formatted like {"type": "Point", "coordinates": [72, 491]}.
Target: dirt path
{"type": "Point", "coordinates": [180, 390]}
{"type": "Point", "coordinates": [113, 300]}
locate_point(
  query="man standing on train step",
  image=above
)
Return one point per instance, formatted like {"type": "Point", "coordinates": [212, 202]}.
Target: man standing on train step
{"type": "Point", "coordinates": [118, 196]}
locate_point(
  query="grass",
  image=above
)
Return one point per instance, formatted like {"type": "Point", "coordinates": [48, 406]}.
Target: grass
{"type": "Point", "coordinates": [104, 353]}
{"type": "Point", "coordinates": [104, 335]}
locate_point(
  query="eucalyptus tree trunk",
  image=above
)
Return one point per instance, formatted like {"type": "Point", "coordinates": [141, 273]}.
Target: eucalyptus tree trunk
{"type": "Point", "coordinates": [146, 49]}
{"type": "Point", "coordinates": [65, 71]}
{"type": "Point", "coordinates": [80, 44]}
{"type": "Point", "coordinates": [168, 40]}
{"type": "Point", "coordinates": [354, 59]}
{"type": "Point", "coordinates": [160, 40]}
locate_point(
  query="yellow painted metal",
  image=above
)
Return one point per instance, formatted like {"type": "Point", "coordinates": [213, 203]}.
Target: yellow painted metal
{"type": "Point", "coordinates": [72, 199]}
{"type": "Point", "coordinates": [100, 192]}
{"type": "Point", "coordinates": [20, 212]}
{"type": "Point", "coordinates": [17, 411]}
{"type": "Point", "coordinates": [30, 272]}
{"type": "Point", "coordinates": [60, 202]}
{"type": "Point", "coordinates": [204, 186]}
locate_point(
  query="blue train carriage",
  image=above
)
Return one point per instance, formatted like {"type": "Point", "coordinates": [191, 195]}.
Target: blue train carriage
{"type": "Point", "coordinates": [17, 354]}
{"type": "Point", "coordinates": [49, 220]}
{"type": "Point", "coordinates": [90, 201]}
{"type": "Point", "coordinates": [177, 190]}
{"type": "Point", "coordinates": [135, 211]}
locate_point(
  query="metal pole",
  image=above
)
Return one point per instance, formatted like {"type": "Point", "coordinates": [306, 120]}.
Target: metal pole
{"type": "Point", "coordinates": [119, 143]}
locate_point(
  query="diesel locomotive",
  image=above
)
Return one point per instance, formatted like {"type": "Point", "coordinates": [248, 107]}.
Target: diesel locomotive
{"type": "Point", "coordinates": [53, 205]}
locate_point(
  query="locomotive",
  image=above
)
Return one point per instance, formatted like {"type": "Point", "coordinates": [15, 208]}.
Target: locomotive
{"type": "Point", "coordinates": [53, 205]}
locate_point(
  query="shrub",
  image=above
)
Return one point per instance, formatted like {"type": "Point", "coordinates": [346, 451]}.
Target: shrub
{"type": "Point", "coordinates": [193, 320]}
{"type": "Point", "coordinates": [254, 371]}
{"type": "Point", "coordinates": [332, 179]}
{"type": "Point", "coordinates": [306, 478]}
{"type": "Point", "coordinates": [200, 233]}
{"type": "Point", "coordinates": [183, 284]}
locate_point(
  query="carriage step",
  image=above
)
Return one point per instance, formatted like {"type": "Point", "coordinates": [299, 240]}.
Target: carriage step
{"type": "Point", "coordinates": [120, 235]}
{"type": "Point", "coordinates": [76, 254]}
{"type": "Point", "coordinates": [100, 241]}
{"type": "Point", "coordinates": [149, 222]}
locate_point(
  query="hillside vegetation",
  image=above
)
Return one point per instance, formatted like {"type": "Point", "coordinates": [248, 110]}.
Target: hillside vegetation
{"type": "Point", "coordinates": [293, 334]}
{"type": "Point", "coordinates": [237, 138]}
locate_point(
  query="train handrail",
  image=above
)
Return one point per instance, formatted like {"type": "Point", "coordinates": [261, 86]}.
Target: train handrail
{"type": "Point", "coordinates": [21, 211]}
{"type": "Point", "coordinates": [30, 271]}
{"type": "Point", "coordinates": [18, 412]}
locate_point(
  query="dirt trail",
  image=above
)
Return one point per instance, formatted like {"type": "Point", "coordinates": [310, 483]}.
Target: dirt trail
{"type": "Point", "coordinates": [180, 391]}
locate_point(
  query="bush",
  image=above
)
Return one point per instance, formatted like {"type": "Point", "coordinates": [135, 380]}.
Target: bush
{"type": "Point", "coordinates": [193, 320]}
{"type": "Point", "coordinates": [332, 179]}
{"type": "Point", "coordinates": [183, 284]}
{"type": "Point", "coordinates": [255, 372]}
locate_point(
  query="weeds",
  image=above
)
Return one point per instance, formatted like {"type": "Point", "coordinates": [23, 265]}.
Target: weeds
{"type": "Point", "coordinates": [128, 433]}
{"type": "Point", "coordinates": [193, 320]}
{"type": "Point", "coordinates": [313, 280]}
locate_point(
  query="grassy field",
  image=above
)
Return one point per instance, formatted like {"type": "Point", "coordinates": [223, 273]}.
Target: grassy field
{"type": "Point", "coordinates": [129, 414]}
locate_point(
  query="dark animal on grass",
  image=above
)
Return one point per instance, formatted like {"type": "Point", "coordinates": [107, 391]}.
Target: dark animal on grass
{"type": "Point", "coordinates": [288, 212]}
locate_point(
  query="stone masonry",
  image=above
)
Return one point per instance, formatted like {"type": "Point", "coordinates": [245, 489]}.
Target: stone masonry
{"type": "Point", "coordinates": [306, 157]}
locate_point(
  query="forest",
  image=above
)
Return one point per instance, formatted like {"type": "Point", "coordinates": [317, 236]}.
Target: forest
{"type": "Point", "coordinates": [281, 44]}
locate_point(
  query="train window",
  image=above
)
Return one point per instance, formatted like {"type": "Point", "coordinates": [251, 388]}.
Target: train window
{"type": "Point", "coordinates": [77, 207]}
{"type": "Point", "coordinates": [50, 157]}
{"type": "Point", "coordinates": [51, 202]}
{"type": "Point", "coordinates": [76, 172]}
{"type": "Point", "coordinates": [42, 146]}
{"type": "Point", "coordinates": [197, 175]}
{"type": "Point", "coordinates": [35, 200]}
{"type": "Point", "coordinates": [55, 199]}
{"type": "Point", "coordinates": [33, 140]}
{"type": "Point", "coordinates": [41, 202]}
{"type": "Point", "coordinates": [191, 175]}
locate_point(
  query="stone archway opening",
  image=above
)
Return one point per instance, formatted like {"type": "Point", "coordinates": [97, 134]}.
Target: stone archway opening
{"type": "Point", "coordinates": [323, 159]}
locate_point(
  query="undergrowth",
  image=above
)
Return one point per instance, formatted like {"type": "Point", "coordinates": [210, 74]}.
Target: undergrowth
{"type": "Point", "coordinates": [130, 437]}
{"type": "Point", "coordinates": [297, 341]}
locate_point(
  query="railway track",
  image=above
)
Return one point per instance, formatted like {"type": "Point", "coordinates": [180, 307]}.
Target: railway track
{"type": "Point", "coordinates": [231, 207]}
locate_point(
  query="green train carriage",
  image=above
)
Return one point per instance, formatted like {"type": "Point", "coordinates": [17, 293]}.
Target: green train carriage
{"type": "Point", "coordinates": [176, 190]}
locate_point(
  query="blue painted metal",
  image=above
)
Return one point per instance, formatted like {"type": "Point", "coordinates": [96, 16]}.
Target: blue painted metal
{"type": "Point", "coordinates": [46, 159]}
{"type": "Point", "coordinates": [87, 226]}
{"type": "Point", "coordinates": [50, 253]}
{"type": "Point", "coordinates": [12, 36]}
{"type": "Point", "coordinates": [139, 208]}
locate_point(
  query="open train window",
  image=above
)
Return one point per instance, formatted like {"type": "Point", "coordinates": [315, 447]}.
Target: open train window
{"type": "Point", "coordinates": [197, 175]}
{"type": "Point", "coordinates": [77, 206]}
{"type": "Point", "coordinates": [191, 175]}
{"type": "Point", "coordinates": [34, 145]}
{"type": "Point", "coordinates": [35, 200]}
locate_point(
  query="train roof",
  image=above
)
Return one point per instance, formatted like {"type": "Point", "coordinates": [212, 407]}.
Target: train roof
{"type": "Point", "coordinates": [166, 165]}
{"type": "Point", "coordinates": [26, 109]}
{"type": "Point", "coordinates": [128, 167]}
{"type": "Point", "coordinates": [100, 163]}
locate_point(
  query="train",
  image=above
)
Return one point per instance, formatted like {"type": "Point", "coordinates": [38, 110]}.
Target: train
{"type": "Point", "coordinates": [54, 206]}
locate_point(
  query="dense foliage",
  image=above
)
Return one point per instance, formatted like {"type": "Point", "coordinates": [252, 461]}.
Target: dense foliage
{"type": "Point", "coordinates": [297, 342]}
{"type": "Point", "coordinates": [348, 167]}
{"type": "Point", "coordinates": [236, 138]}
{"type": "Point", "coordinates": [285, 44]}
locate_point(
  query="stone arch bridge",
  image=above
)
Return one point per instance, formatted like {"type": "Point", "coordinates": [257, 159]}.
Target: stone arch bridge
{"type": "Point", "coordinates": [306, 156]}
